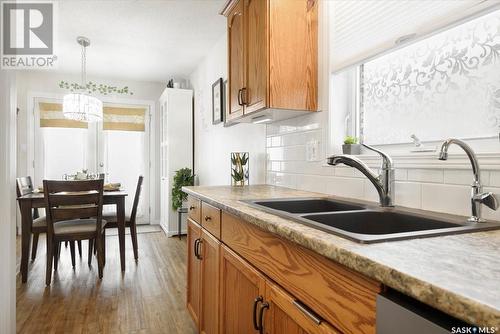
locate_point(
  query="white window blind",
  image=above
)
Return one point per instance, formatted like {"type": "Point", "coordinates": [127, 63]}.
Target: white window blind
{"type": "Point", "coordinates": [361, 29]}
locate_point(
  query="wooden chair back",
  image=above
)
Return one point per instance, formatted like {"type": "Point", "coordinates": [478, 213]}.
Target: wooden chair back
{"type": "Point", "coordinates": [68, 200]}
{"type": "Point", "coordinates": [137, 196]}
{"type": "Point", "coordinates": [24, 186]}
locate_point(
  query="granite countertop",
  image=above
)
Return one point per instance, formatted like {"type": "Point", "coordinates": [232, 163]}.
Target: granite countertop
{"type": "Point", "coordinates": [457, 274]}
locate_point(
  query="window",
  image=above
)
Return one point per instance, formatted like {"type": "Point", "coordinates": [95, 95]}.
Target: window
{"type": "Point", "coordinates": [446, 85]}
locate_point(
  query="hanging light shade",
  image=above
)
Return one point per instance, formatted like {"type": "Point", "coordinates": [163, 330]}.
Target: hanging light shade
{"type": "Point", "coordinates": [80, 106]}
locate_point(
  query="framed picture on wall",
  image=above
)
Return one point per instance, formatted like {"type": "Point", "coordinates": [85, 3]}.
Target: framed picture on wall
{"type": "Point", "coordinates": [217, 101]}
{"type": "Point", "coordinates": [226, 100]}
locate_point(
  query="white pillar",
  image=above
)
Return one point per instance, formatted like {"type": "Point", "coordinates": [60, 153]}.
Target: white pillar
{"type": "Point", "coordinates": [7, 202]}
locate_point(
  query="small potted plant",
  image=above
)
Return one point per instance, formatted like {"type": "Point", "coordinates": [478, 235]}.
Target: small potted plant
{"type": "Point", "coordinates": [182, 177]}
{"type": "Point", "coordinates": [351, 146]}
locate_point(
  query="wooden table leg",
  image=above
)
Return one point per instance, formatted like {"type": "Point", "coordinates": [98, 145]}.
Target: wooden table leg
{"type": "Point", "coordinates": [26, 222]}
{"type": "Point", "coordinates": [120, 213]}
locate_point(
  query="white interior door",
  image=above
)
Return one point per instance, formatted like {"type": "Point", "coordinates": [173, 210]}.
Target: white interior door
{"type": "Point", "coordinates": [123, 155]}
{"type": "Point", "coordinates": [120, 149]}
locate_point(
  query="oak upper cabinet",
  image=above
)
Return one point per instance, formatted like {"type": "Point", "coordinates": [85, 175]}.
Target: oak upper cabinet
{"type": "Point", "coordinates": [209, 253]}
{"type": "Point", "coordinates": [282, 314]}
{"type": "Point", "coordinates": [242, 293]}
{"type": "Point", "coordinates": [236, 59]}
{"type": "Point", "coordinates": [193, 270]}
{"type": "Point", "coordinates": [255, 90]}
{"type": "Point", "coordinates": [273, 55]}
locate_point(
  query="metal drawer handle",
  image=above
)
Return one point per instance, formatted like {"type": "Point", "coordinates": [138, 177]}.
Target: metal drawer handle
{"type": "Point", "coordinates": [239, 97]}
{"type": "Point", "coordinates": [254, 317]}
{"type": "Point", "coordinates": [261, 317]}
{"type": "Point", "coordinates": [196, 247]}
{"type": "Point", "coordinates": [208, 218]}
{"type": "Point", "coordinates": [197, 244]}
{"type": "Point", "coordinates": [306, 311]}
{"type": "Point", "coordinates": [244, 96]}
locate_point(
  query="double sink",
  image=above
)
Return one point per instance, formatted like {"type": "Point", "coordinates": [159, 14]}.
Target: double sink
{"type": "Point", "coordinates": [363, 223]}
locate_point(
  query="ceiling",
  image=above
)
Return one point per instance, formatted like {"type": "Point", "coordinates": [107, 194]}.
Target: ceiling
{"type": "Point", "coordinates": [142, 40]}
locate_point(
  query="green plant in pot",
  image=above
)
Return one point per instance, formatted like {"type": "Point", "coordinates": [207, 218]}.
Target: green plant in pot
{"type": "Point", "coordinates": [351, 146]}
{"type": "Point", "coordinates": [183, 177]}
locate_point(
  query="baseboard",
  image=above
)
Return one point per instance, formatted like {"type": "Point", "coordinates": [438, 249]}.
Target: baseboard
{"type": "Point", "coordinates": [171, 233]}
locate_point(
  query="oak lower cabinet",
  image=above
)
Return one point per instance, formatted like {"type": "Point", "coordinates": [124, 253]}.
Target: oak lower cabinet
{"type": "Point", "coordinates": [250, 303]}
{"type": "Point", "coordinates": [283, 314]}
{"type": "Point", "coordinates": [209, 303]}
{"type": "Point", "coordinates": [242, 292]}
{"type": "Point", "coordinates": [245, 280]}
{"type": "Point", "coordinates": [193, 270]}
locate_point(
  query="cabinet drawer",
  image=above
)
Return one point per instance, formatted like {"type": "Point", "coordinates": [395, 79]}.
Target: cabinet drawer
{"type": "Point", "coordinates": [339, 295]}
{"type": "Point", "coordinates": [210, 219]}
{"type": "Point", "coordinates": [194, 207]}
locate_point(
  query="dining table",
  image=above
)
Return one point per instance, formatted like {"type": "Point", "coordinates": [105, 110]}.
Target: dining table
{"type": "Point", "coordinates": [37, 200]}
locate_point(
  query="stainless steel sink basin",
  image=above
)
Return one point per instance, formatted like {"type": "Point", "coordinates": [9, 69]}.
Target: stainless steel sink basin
{"type": "Point", "coordinates": [379, 222]}
{"type": "Point", "coordinates": [365, 224]}
{"type": "Point", "coordinates": [308, 205]}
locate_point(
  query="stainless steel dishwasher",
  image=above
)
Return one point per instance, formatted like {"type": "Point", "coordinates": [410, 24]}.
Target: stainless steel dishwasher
{"type": "Point", "coordinates": [398, 314]}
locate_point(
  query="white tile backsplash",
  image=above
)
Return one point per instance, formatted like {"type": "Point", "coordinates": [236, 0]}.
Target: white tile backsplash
{"type": "Point", "coordinates": [464, 177]}
{"type": "Point", "coordinates": [425, 175]}
{"type": "Point", "coordinates": [453, 199]}
{"type": "Point", "coordinates": [494, 179]}
{"type": "Point", "coordinates": [442, 190]}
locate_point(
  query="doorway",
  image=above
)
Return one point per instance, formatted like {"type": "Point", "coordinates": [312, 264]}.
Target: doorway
{"type": "Point", "coordinates": [117, 146]}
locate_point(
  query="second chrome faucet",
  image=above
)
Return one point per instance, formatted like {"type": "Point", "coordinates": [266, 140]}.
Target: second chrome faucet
{"type": "Point", "coordinates": [478, 197]}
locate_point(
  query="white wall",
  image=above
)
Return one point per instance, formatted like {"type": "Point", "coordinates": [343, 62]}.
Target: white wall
{"type": "Point", "coordinates": [214, 143]}
{"type": "Point", "coordinates": [7, 202]}
{"type": "Point", "coordinates": [47, 82]}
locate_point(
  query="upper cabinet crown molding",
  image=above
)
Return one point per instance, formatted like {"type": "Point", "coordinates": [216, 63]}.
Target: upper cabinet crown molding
{"type": "Point", "coordinates": [272, 59]}
{"type": "Point", "coordinates": [228, 6]}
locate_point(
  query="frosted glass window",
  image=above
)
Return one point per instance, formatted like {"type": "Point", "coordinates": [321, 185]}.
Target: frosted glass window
{"type": "Point", "coordinates": [447, 85]}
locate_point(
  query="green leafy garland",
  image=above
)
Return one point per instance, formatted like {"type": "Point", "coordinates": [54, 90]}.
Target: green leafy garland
{"type": "Point", "coordinates": [92, 87]}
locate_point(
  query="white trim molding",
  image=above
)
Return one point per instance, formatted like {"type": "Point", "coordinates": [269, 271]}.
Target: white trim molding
{"type": "Point", "coordinates": [8, 202]}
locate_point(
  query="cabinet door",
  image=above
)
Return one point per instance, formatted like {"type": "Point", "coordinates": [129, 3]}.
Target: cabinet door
{"type": "Point", "coordinates": [242, 290]}
{"type": "Point", "coordinates": [293, 54]}
{"type": "Point", "coordinates": [256, 20]}
{"type": "Point", "coordinates": [193, 271]}
{"type": "Point", "coordinates": [285, 315]}
{"type": "Point", "coordinates": [236, 38]}
{"type": "Point", "coordinates": [210, 252]}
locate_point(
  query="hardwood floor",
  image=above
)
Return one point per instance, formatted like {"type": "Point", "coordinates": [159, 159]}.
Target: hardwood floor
{"type": "Point", "coordinates": [150, 297]}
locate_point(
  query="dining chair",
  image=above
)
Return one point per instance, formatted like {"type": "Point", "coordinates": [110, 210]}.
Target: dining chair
{"type": "Point", "coordinates": [74, 212]}
{"type": "Point", "coordinates": [24, 186]}
{"type": "Point", "coordinates": [130, 220]}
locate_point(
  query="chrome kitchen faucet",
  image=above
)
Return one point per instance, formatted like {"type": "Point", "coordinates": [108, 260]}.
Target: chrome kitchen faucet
{"type": "Point", "coordinates": [384, 183]}
{"type": "Point", "coordinates": [477, 196]}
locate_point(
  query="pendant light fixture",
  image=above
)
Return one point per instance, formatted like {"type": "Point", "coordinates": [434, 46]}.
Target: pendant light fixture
{"type": "Point", "coordinates": [81, 106]}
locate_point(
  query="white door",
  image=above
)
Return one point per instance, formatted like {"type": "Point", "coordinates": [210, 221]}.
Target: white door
{"type": "Point", "coordinates": [118, 147]}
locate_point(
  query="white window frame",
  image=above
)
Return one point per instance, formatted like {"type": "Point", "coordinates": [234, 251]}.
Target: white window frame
{"type": "Point", "coordinates": [487, 148]}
